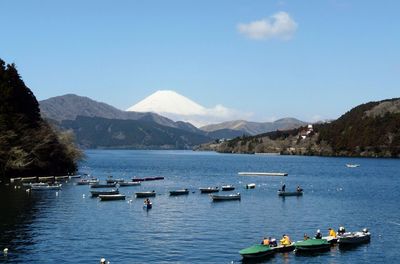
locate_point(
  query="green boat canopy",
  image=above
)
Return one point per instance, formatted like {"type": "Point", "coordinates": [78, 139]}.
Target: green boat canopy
{"type": "Point", "coordinates": [254, 249]}
{"type": "Point", "coordinates": [311, 242]}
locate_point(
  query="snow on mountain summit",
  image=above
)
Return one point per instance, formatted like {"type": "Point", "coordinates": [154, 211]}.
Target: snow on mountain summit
{"type": "Point", "coordinates": [171, 102]}
{"type": "Point", "coordinates": [180, 108]}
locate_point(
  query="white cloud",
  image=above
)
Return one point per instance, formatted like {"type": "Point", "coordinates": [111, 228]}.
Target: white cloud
{"type": "Point", "coordinates": [279, 26]}
{"type": "Point", "coordinates": [213, 115]}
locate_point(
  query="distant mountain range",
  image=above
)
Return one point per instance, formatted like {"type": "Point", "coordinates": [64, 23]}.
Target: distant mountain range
{"type": "Point", "coordinates": [97, 132]}
{"type": "Point", "coordinates": [254, 128]}
{"type": "Point", "coordinates": [368, 130]}
{"type": "Point", "coordinates": [69, 106]}
{"type": "Point", "coordinates": [81, 113]}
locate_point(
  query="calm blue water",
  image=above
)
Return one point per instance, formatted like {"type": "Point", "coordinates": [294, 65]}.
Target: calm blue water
{"type": "Point", "coordinates": [67, 228]}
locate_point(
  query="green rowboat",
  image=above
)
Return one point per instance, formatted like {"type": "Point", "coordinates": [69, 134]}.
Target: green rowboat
{"type": "Point", "coordinates": [312, 245]}
{"type": "Point", "coordinates": [256, 251]}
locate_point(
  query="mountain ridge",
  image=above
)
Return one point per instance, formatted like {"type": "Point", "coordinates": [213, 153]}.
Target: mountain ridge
{"type": "Point", "coordinates": [254, 128]}
{"type": "Point", "coordinates": [367, 130]}
{"type": "Point", "coordinates": [99, 132]}
{"type": "Point", "coordinates": [69, 106]}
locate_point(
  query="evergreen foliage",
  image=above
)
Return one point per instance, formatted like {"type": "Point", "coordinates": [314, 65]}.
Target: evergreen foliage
{"type": "Point", "coordinates": [28, 145]}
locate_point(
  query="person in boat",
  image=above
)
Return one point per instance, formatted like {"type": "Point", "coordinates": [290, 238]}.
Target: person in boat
{"type": "Point", "coordinates": [299, 189]}
{"type": "Point", "coordinates": [285, 241]}
{"type": "Point", "coordinates": [273, 242]}
{"type": "Point", "coordinates": [341, 231]}
{"type": "Point", "coordinates": [265, 241]}
{"type": "Point", "coordinates": [332, 232]}
{"type": "Point", "coordinates": [318, 235]}
{"type": "Point", "coordinates": [283, 188]}
{"type": "Point", "coordinates": [306, 236]}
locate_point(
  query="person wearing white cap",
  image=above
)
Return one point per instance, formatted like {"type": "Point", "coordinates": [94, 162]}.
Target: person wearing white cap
{"type": "Point", "coordinates": [318, 235]}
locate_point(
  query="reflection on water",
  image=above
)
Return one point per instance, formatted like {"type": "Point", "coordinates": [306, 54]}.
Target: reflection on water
{"type": "Point", "coordinates": [71, 227]}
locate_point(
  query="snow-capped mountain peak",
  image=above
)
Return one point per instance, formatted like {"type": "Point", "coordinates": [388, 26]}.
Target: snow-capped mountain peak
{"type": "Point", "coordinates": [166, 101]}
{"type": "Point", "coordinates": [180, 108]}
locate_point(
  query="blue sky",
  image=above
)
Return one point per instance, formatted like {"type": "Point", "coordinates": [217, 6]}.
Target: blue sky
{"type": "Point", "coordinates": [325, 58]}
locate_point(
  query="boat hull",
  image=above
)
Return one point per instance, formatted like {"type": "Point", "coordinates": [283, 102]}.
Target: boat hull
{"type": "Point", "coordinates": [282, 249]}
{"type": "Point", "coordinates": [354, 238]}
{"type": "Point", "coordinates": [145, 194]}
{"type": "Point", "coordinates": [209, 190]}
{"type": "Point", "coordinates": [103, 185]}
{"type": "Point", "coordinates": [312, 246]}
{"type": "Point", "coordinates": [179, 192]}
{"type": "Point", "coordinates": [256, 252]}
{"type": "Point", "coordinates": [250, 186]}
{"type": "Point", "coordinates": [263, 173]}
{"type": "Point", "coordinates": [128, 184]}
{"type": "Point", "coordinates": [231, 197]}
{"type": "Point", "coordinates": [228, 188]}
{"type": "Point", "coordinates": [111, 197]}
{"type": "Point", "coordinates": [46, 188]}
{"type": "Point", "coordinates": [280, 193]}
{"type": "Point", "coordinates": [97, 193]}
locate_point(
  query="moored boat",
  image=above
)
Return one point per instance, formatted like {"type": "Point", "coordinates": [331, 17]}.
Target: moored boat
{"type": "Point", "coordinates": [145, 194]}
{"type": "Point", "coordinates": [97, 193]}
{"type": "Point", "coordinates": [312, 245]}
{"type": "Point", "coordinates": [228, 197]}
{"type": "Point", "coordinates": [179, 192]}
{"type": "Point", "coordinates": [250, 186]}
{"type": "Point", "coordinates": [112, 180]}
{"type": "Point", "coordinates": [296, 193]}
{"type": "Point", "coordinates": [352, 165]}
{"type": "Point", "coordinates": [99, 185]}
{"type": "Point", "coordinates": [127, 184]}
{"type": "Point", "coordinates": [263, 173]}
{"type": "Point", "coordinates": [111, 197]}
{"type": "Point", "coordinates": [154, 178]}
{"type": "Point", "coordinates": [354, 238]}
{"type": "Point", "coordinates": [57, 178]}
{"type": "Point", "coordinates": [44, 187]}
{"type": "Point", "coordinates": [46, 178]}
{"type": "Point", "coordinates": [209, 190]}
{"type": "Point", "coordinates": [26, 179]}
{"type": "Point", "coordinates": [228, 187]}
{"type": "Point", "coordinates": [137, 179]}
{"type": "Point", "coordinates": [256, 251]}
{"type": "Point", "coordinates": [35, 184]}
{"type": "Point", "coordinates": [87, 181]}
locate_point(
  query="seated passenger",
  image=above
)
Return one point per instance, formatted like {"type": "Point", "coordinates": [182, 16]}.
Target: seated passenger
{"type": "Point", "coordinates": [318, 235]}
{"type": "Point", "coordinates": [272, 242]}
{"type": "Point", "coordinates": [332, 233]}
{"type": "Point", "coordinates": [265, 241]}
{"type": "Point", "coordinates": [341, 231]}
{"type": "Point", "coordinates": [285, 241]}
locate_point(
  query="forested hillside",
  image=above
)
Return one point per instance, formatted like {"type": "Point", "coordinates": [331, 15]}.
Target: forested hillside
{"type": "Point", "coordinates": [368, 130]}
{"type": "Point", "coordinates": [28, 145]}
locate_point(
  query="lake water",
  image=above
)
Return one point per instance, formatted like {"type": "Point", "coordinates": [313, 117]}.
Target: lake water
{"type": "Point", "coordinates": [65, 227]}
